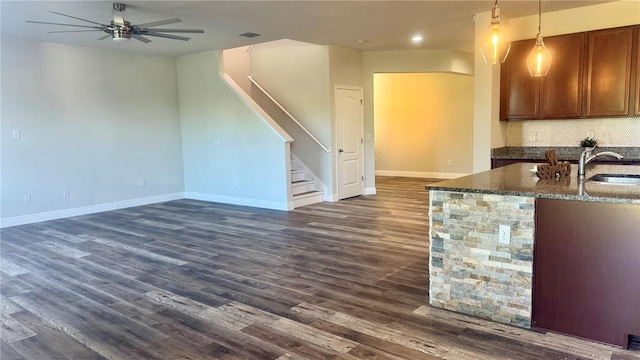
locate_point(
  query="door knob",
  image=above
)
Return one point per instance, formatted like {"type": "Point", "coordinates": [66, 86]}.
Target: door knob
{"type": "Point", "coordinates": [340, 151]}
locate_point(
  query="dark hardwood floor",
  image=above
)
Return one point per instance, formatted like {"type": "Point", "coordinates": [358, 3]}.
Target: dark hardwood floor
{"type": "Point", "coordinates": [196, 280]}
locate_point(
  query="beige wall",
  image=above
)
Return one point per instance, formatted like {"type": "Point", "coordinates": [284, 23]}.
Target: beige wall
{"type": "Point", "coordinates": [602, 16]}
{"type": "Point", "coordinates": [345, 66]}
{"type": "Point", "coordinates": [488, 132]}
{"type": "Point", "coordinates": [79, 134]}
{"type": "Point", "coordinates": [237, 65]}
{"type": "Point", "coordinates": [231, 154]}
{"type": "Point", "coordinates": [414, 61]}
{"type": "Point", "coordinates": [345, 69]}
{"type": "Point", "coordinates": [296, 74]}
{"type": "Point", "coordinates": [610, 131]}
{"type": "Point", "coordinates": [421, 122]}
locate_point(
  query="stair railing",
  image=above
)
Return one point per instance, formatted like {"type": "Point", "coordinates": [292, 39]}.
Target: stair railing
{"type": "Point", "coordinates": [326, 149]}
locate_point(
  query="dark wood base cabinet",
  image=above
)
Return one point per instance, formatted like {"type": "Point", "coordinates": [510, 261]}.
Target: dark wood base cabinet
{"type": "Point", "coordinates": [587, 270]}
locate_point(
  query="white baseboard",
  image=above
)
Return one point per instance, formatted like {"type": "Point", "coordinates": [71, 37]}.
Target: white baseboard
{"type": "Point", "coordinates": [420, 174]}
{"type": "Point", "coordinates": [331, 197]}
{"type": "Point", "coordinates": [233, 200]}
{"type": "Point", "coordinates": [85, 210]}
{"type": "Point", "coordinates": [370, 190]}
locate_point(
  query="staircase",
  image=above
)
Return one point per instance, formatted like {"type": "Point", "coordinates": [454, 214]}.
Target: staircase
{"type": "Point", "coordinates": [305, 187]}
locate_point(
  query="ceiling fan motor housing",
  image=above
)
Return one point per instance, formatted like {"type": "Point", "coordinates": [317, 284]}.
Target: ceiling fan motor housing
{"type": "Point", "coordinates": [120, 32]}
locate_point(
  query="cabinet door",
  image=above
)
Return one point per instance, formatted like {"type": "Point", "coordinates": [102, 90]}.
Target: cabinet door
{"type": "Point", "coordinates": [609, 72]}
{"type": "Point", "coordinates": [637, 112]}
{"type": "Point", "coordinates": [562, 87]}
{"type": "Point", "coordinates": [586, 272]}
{"type": "Point", "coordinates": [520, 93]}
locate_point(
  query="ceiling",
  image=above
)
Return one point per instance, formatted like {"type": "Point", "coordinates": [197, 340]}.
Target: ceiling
{"type": "Point", "coordinates": [382, 25]}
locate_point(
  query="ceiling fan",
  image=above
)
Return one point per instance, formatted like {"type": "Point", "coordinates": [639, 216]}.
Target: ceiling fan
{"type": "Point", "coordinates": [119, 29]}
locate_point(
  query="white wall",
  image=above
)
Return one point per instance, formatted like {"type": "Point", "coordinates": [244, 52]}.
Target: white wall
{"type": "Point", "coordinates": [90, 123]}
{"type": "Point", "coordinates": [230, 154]}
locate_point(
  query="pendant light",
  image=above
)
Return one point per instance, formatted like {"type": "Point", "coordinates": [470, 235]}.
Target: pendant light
{"type": "Point", "coordinates": [539, 59]}
{"type": "Point", "coordinates": [495, 43]}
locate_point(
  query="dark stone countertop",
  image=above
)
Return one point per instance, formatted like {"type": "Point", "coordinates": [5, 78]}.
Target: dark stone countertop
{"type": "Point", "coordinates": [631, 154]}
{"type": "Point", "coordinates": [519, 180]}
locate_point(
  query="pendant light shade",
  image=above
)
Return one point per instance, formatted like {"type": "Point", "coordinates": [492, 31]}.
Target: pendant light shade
{"type": "Point", "coordinates": [539, 59]}
{"type": "Point", "coordinates": [495, 43]}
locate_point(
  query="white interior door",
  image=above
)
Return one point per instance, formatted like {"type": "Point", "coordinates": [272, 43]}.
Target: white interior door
{"type": "Point", "coordinates": [349, 125]}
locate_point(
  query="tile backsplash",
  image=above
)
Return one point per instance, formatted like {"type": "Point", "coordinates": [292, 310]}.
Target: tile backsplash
{"type": "Point", "coordinates": [623, 131]}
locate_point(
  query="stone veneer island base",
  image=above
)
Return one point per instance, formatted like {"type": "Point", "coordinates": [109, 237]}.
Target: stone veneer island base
{"type": "Point", "coordinates": [472, 272]}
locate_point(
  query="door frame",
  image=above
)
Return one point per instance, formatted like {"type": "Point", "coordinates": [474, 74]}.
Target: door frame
{"type": "Point", "coordinates": [336, 155]}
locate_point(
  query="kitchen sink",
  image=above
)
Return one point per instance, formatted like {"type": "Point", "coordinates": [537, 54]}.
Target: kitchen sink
{"type": "Point", "coordinates": [616, 179]}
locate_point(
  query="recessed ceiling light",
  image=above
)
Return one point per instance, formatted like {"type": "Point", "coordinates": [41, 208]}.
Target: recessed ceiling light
{"type": "Point", "coordinates": [416, 38]}
{"type": "Point", "coordinates": [360, 42]}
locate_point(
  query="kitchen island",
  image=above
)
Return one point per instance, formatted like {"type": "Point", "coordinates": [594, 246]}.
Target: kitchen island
{"type": "Point", "coordinates": [475, 271]}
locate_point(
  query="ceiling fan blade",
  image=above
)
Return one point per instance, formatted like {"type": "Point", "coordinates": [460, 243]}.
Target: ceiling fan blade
{"type": "Point", "coordinates": [68, 31]}
{"type": "Point", "coordinates": [192, 31]}
{"type": "Point", "coordinates": [77, 18]}
{"type": "Point", "coordinates": [159, 22]}
{"type": "Point", "coordinates": [52, 23]}
{"type": "Point", "coordinates": [104, 37]}
{"type": "Point", "coordinates": [117, 17]}
{"type": "Point", "coordinates": [140, 38]}
{"type": "Point", "coordinates": [148, 33]}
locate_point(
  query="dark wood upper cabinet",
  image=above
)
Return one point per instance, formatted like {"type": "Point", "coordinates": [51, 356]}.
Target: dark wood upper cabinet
{"type": "Point", "coordinates": [609, 72]}
{"type": "Point", "coordinates": [593, 74]}
{"type": "Point", "coordinates": [520, 93]}
{"type": "Point", "coordinates": [557, 95]}
{"type": "Point", "coordinates": [637, 112]}
{"type": "Point", "coordinates": [561, 91]}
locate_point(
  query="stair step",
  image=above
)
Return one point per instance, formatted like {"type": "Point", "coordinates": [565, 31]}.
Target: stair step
{"type": "Point", "coordinates": [301, 186]}
{"type": "Point", "coordinates": [308, 198]}
{"type": "Point", "coordinates": [304, 191]}
{"type": "Point", "coordinates": [307, 193]}
{"type": "Point", "coordinates": [297, 175]}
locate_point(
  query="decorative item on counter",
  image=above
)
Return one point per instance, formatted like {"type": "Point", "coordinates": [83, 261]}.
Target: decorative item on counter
{"type": "Point", "coordinates": [553, 168]}
{"type": "Point", "coordinates": [588, 142]}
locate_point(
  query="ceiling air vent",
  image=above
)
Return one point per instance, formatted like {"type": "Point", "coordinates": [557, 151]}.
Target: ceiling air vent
{"type": "Point", "coordinates": [249, 34]}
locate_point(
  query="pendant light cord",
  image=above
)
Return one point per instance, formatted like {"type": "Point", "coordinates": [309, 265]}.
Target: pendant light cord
{"type": "Point", "coordinates": [539, 14]}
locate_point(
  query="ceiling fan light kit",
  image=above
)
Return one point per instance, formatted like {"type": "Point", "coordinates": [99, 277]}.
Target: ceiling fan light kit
{"type": "Point", "coordinates": [120, 30]}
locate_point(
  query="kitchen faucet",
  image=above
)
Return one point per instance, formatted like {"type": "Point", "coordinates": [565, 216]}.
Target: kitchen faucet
{"type": "Point", "coordinates": [586, 157]}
